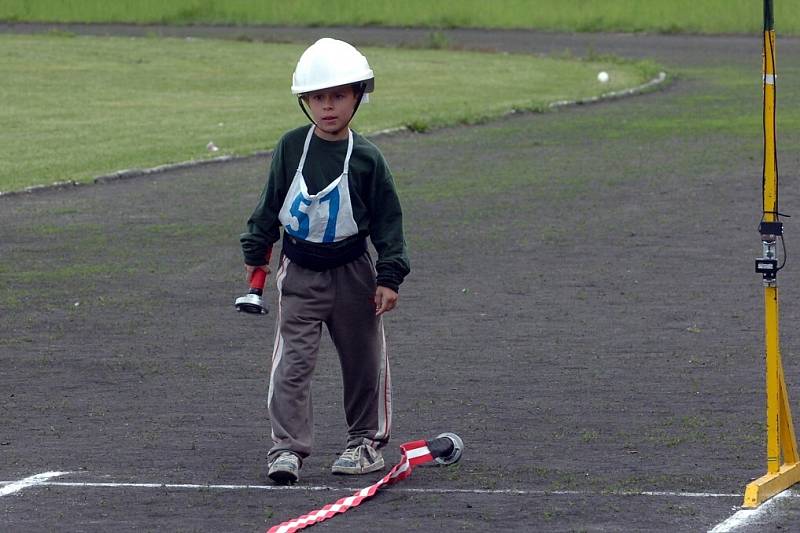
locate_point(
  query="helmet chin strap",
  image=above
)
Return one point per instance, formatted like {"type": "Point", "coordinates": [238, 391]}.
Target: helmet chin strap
{"type": "Point", "coordinates": [305, 111]}
{"type": "Point", "coordinates": [362, 90]}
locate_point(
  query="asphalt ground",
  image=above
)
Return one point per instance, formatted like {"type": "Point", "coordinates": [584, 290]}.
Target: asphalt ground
{"type": "Point", "coordinates": [582, 311]}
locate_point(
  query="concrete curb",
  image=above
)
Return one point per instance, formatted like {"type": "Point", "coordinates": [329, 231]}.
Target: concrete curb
{"type": "Point", "coordinates": [140, 172]}
{"type": "Point", "coordinates": [613, 95]}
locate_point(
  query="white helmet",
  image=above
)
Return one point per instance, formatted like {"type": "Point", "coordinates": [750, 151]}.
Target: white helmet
{"type": "Point", "coordinates": [330, 63]}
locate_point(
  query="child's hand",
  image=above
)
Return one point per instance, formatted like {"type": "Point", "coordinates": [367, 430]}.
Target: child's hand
{"type": "Point", "coordinates": [385, 300]}
{"type": "Point", "coordinates": [250, 269]}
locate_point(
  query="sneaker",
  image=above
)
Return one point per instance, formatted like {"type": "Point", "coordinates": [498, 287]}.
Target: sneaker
{"type": "Point", "coordinates": [285, 469]}
{"type": "Point", "coordinates": [361, 459]}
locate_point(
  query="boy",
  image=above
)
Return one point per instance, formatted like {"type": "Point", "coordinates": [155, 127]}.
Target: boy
{"type": "Point", "coordinates": [329, 188]}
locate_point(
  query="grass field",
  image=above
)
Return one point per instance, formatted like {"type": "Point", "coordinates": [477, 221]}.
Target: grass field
{"type": "Point", "coordinates": [78, 107]}
{"type": "Point", "coordinates": [709, 16]}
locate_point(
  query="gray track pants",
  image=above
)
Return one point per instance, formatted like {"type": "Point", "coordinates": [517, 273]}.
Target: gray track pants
{"type": "Point", "coordinates": [343, 299]}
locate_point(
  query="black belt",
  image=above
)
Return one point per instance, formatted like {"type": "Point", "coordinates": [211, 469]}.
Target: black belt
{"type": "Point", "coordinates": [323, 256]}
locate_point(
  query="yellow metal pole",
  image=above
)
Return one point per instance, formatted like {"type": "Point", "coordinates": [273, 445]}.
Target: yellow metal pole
{"type": "Point", "coordinates": [772, 379]}
{"type": "Point", "coordinates": [786, 431]}
{"type": "Point", "coordinates": [783, 469]}
{"type": "Point", "coordinates": [770, 209]}
{"type": "Point", "coordinates": [770, 183]}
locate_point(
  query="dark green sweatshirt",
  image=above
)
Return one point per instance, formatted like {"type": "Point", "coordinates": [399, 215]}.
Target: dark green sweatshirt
{"type": "Point", "coordinates": [376, 207]}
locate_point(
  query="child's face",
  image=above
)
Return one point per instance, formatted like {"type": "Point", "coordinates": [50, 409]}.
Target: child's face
{"type": "Point", "coordinates": [332, 110]}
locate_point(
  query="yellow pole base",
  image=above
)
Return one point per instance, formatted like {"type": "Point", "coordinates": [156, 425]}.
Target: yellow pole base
{"type": "Point", "coordinates": [768, 485]}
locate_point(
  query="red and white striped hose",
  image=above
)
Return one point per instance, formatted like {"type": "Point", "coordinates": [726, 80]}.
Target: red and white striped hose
{"type": "Point", "coordinates": [413, 454]}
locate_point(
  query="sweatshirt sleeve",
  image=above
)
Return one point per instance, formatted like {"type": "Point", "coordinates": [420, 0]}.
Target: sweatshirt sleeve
{"type": "Point", "coordinates": [386, 229]}
{"type": "Point", "coordinates": [263, 227]}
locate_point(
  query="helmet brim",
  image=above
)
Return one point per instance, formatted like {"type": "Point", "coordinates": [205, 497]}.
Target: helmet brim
{"type": "Point", "coordinates": [300, 90]}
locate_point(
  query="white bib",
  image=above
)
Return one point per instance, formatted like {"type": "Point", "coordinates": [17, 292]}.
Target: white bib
{"type": "Point", "coordinates": [323, 217]}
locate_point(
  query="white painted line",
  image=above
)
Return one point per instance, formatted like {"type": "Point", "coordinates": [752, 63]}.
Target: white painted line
{"type": "Point", "coordinates": [744, 517]}
{"type": "Point", "coordinates": [38, 479]}
{"type": "Point", "coordinates": [328, 488]}
{"type": "Point", "coordinates": [187, 486]}
{"type": "Point", "coordinates": [687, 494]}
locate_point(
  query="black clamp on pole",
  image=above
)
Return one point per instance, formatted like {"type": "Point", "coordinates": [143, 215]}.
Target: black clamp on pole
{"type": "Point", "coordinates": [767, 264]}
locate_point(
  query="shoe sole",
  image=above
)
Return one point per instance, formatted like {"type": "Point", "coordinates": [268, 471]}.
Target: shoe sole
{"type": "Point", "coordinates": [354, 471]}
{"type": "Point", "coordinates": [282, 477]}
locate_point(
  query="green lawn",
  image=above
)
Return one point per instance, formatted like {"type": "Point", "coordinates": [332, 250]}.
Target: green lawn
{"type": "Point", "coordinates": [706, 16]}
{"type": "Point", "coordinates": [78, 107]}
